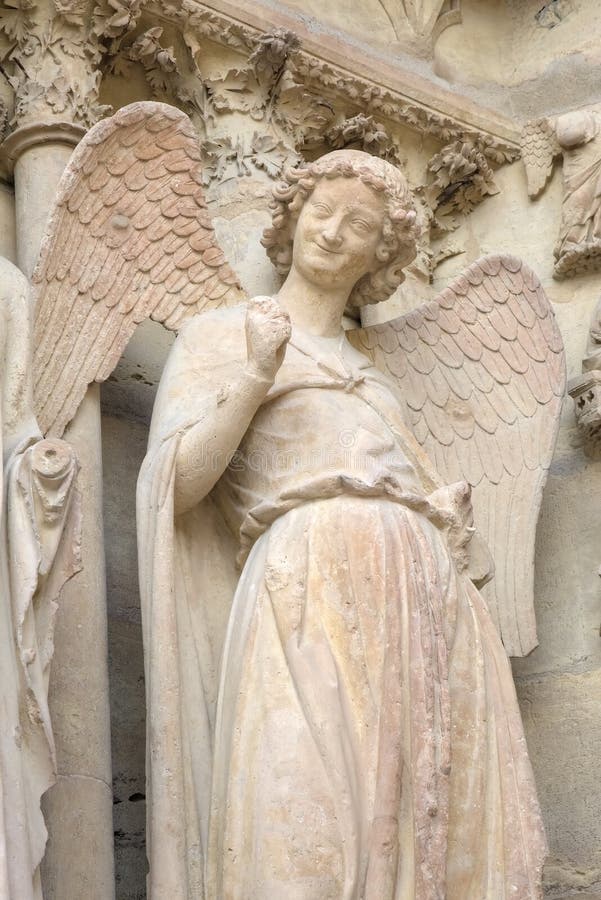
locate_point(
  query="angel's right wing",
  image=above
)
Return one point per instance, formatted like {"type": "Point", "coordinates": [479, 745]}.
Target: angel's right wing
{"type": "Point", "coordinates": [130, 238]}
{"type": "Point", "coordinates": [539, 148]}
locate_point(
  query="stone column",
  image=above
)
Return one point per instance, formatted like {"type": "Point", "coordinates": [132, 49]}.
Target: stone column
{"type": "Point", "coordinates": [37, 153]}
{"type": "Point", "coordinates": [78, 809]}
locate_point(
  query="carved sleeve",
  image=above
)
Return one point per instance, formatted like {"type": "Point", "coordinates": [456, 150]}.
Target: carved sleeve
{"type": "Point", "coordinates": [207, 447]}
{"type": "Point", "coordinates": [207, 397]}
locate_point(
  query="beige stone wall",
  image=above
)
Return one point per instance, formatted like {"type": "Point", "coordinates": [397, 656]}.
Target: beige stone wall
{"type": "Point", "coordinates": [548, 53]}
{"type": "Point", "coordinates": [368, 22]}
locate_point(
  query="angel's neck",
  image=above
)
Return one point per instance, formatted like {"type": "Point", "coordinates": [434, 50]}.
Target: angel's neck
{"type": "Point", "coordinates": [313, 308]}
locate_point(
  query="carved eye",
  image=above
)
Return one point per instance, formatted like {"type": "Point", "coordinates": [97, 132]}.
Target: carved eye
{"type": "Point", "coordinates": [360, 225]}
{"type": "Point", "coordinates": [322, 209]}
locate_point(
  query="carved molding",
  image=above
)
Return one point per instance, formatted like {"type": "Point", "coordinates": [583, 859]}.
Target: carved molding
{"type": "Point", "coordinates": [450, 14]}
{"type": "Point", "coordinates": [322, 65]}
{"type": "Point", "coordinates": [459, 178]}
{"type": "Point", "coordinates": [53, 52]}
{"type": "Point", "coordinates": [427, 19]}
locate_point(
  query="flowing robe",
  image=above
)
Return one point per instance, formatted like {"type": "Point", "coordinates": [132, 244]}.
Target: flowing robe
{"type": "Point", "coordinates": [580, 228]}
{"type": "Point", "coordinates": [349, 727]}
{"type": "Point", "coordinates": [38, 542]}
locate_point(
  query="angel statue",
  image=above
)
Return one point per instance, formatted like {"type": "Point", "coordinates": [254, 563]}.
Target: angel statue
{"type": "Point", "coordinates": [331, 712]}
{"type": "Point", "coordinates": [38, 552]}
{"type": "Point", "coordinates": [576, 136]}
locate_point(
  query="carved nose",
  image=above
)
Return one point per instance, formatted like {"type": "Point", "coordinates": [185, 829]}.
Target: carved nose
{"type": "Point", "coordinates": [331, 237]}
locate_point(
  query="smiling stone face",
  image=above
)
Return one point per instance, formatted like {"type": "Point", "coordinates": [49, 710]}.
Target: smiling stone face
{"type": "Point", "coordinates": [338, 232]}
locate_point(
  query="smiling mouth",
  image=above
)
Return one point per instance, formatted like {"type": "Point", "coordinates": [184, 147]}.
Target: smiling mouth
{"type": "Point", "coordinates": [327, 249]}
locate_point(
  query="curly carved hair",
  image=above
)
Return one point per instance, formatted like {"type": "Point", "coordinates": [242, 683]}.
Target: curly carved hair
{"type": "Point", "coordinates": [400, 230]}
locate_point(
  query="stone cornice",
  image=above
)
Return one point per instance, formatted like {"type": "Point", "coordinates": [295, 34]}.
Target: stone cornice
{"type": "Point", "coordinates": [392, 90]}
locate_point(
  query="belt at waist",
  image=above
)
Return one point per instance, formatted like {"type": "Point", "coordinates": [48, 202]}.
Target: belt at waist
{"type": "Point", "coordinates": [448, 508]}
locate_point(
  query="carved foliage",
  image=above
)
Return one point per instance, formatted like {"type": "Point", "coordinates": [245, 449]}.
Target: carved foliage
{"type": "Point", "coordinates": [49, 60]}
{"type": "Point", "coordinates": [261, 87]}
{"type": "Point", "coordinates": [364, 133]}
{"type": "Point", "coordinates": [309, 84]}
{"type": "Point", "coordinates": [459, 177]}
{"type": "Point", "coordinates": [296, 89]}
{"type": "Point", "coordinates": [191, 17]}
{"type": "Point", "coordinates": [264, 88]}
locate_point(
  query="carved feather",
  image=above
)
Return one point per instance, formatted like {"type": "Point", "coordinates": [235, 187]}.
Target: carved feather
{"type": "Point", "coordinates": [539, 147]}
{"type": "Point", "coordinates": [130, 238]}
{"type": "Point", "coordinates": [487, 412]}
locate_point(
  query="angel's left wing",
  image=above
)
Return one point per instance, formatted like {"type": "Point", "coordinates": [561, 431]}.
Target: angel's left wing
{"type": "Point", "coordinates": [130, 238]}
{"type": "Point", "coordinates": [482, 376]}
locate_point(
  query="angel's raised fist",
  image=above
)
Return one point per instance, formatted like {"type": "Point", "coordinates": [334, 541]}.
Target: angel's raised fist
{"type": "Point", "coordinates": [267, 333]}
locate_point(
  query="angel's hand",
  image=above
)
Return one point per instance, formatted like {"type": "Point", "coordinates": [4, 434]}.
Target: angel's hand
{"type": "Point", "coordinates": [268, 331]}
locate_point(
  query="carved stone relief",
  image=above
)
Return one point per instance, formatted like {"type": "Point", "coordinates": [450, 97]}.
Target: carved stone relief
{"type": "Point", "coordinates": [585, 389]}
{"type": "Point", "coordinates": [49, 55]}
{"type": "Point", "coordinates": [320, 77]}
{"type": "Point", "coordinates": [89, 39]}
{"type": "Point", "coordinates": [576, 137]}
{"type": "Point", "coordinates": [426, 18]}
